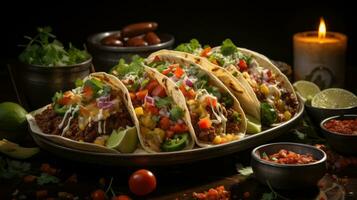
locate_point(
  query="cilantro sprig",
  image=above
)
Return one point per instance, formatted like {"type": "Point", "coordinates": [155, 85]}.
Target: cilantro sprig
{"type": "Point", "coordinates": [45, 50]}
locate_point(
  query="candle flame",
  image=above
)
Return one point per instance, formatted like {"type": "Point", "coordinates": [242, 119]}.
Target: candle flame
{"type": "Point", "coordinates": [322, 29]}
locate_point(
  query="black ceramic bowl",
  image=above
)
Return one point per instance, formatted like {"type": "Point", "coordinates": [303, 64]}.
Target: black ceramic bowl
{"type": "Point", "coordinates": [288, 176]}
{"type": "Point", "coordinates": [319, 114]}
{"type": "Point", "coordinates": [39, 83]}
{"type": "Point", "coordinates": [343, 143]}
{"type": "Point", "coordinates": [105, 57]}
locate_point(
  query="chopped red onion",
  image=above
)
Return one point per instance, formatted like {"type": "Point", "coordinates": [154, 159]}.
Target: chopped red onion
{"type": "Point", "coordinates": [149, 100]}
{"type": "Point", "coordinates": [188, 82]}
{"type": "Point", "coordinates": [104, 103]}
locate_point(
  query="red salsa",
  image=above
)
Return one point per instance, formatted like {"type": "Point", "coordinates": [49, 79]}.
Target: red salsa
{"type": "Point", "coordinates": [347, 126]}
{"type": "Point", "coordinates": [218, 193]}
{"type": "Point", "coordinates": [288, 157]}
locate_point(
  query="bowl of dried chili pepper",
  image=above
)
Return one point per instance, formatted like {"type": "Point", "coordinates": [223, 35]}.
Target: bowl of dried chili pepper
{"type": "Point", "coordinates": [341, 133]}
{"type": "Point", "coordinates": [288, 165]}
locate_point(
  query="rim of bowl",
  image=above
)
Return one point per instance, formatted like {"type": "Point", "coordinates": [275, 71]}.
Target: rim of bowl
{"type": "Point", "coordinates": [334, 117]}
{"type": "Point", "coordinates": [255, 156]}
{"type": "Point", "coordinates": [94, 38]}
{"type": "Point", "coordinates": [89, 60]}
{"type": "Point", "coordinates": [346, 108]}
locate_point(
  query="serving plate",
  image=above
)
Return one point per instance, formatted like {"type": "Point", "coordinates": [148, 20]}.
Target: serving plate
{"type": "Point", "coordinates": [141, 158]}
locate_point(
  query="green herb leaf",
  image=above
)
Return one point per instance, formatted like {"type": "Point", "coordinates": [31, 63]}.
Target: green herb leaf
{"type": "Point", "coordinates": [163, 102]}
{"type": "Point", "coordinates": [246, 171]}
{"type": "Point", "coordinates": [228, 48]}
{"type": "Point", "coordinates": [269, 115]}
{"type": "Point", "coordinates": [189, 47]}
{"type": "Point", "coordinates": [176, 113]}
{"type": "Point", "coordinates": [46, 178]}
{"type": "Point", "coordinates": [135, 67]}
{"type": "Point", "coordinates": [41, 51]}
{"type": "Point", "coordinates": [13, 168]}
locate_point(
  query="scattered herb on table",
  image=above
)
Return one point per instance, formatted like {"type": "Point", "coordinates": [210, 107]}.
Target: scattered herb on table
{"type": "Point", "coordinates": [45, 50]}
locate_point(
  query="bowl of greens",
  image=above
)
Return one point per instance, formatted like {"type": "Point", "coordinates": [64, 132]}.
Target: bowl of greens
{"type": "Point", "coordinates": [46, 66]}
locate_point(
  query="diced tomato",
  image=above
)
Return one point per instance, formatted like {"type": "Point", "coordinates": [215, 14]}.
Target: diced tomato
{"type": "Point", "coordinates": [179, 128]}
{"type": "Point", "coordinates": [166, 71]}
{"type": "Point", "coordinates": [169, 134]}
{"type": "Point", "coordinates": [205, 52]}
{"type": "Point", "coordinates": [164, 123]}
{"type": "Point", "coordinates": [157, 59]}
{"type": "Point", "coordinates": [141, 94]}
{"type": "Point", "coordinates": [152, 109]}
{"type": "Point", "coordinates": [183, 90]}
{"type": "Point", "coordinates": [173, 66]}
{"type": "Point", "coordinates": [242, 65]}
{"type": "Point", "coordinates": [211, 101]}
{"type": "Point", "coordinates": [205, 123]}
{"type": "Point", "coordinates": [179, 72]}
{"type": "Point", "coordinates": [191, 94]}
{"type": "Point", "coordinates": [159, 91]}
{"type": "Point", "coordinates": [87, 92]}
{"type": "Point", "coordinates": [150, 86]}
{"type": "Point", "coordinates": [132, 96]}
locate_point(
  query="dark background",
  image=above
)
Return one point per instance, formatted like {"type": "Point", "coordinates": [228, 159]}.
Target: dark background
{"type": "Point", "coordinates": [264, 27]}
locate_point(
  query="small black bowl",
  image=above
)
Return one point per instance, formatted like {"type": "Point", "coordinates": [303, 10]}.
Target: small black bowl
{"type": "Point", "coordinates": [319, 114]}
{"type": "Point", "coordinates": [288, 176]}
{"type": "Point", "coordinates": [343, 143]}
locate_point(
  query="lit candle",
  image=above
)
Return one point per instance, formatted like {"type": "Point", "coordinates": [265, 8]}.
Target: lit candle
{"type": "Point", "coordinates": [320, 57]}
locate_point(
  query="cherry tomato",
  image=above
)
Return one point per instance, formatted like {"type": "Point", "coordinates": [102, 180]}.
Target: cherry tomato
{"type": "Point", "coordinates": [142, 182]}
{"type": "Point", "coordinates": [121, 197]}
{"type": "Point", "coordinates": [98, 195]}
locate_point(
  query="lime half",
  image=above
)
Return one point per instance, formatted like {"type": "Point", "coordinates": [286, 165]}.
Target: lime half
{"type": "Point", "coordinates": [306, 89]}
{"type": "Point", "coordinates": [333, 98]}
{"type": "Point", "coordinates": [125, 141]}
{"type": "Point", "coordinates": [253, 125]}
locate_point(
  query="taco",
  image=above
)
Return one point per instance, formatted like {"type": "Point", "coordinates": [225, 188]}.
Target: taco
{"type": "Point", "coordinates": [87, 114]}
{"type": "Point", "coordinates": [276, 97]}
{"type": "Point", "coordinates": [160, 108]}
{"type": "Point", "coordinates": [215, 113]}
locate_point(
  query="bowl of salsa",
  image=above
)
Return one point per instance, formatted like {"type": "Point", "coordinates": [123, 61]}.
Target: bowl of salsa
{"type": "Point", "coordinates": [341, 133]}
{"type": "Point", "coordinates": [288, 165]}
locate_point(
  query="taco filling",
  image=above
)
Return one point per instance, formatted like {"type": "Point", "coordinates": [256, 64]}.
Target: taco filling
{"type": "Point", "coordinates": [211, 109]}
{"type": "Point", "coordinates": [277, 103]}
{"type": "Point", "coordinates": [88, 113]}
{"type": "Point", "coordinates": [161, 120]}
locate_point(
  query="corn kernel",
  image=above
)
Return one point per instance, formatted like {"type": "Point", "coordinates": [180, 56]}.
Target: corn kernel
{"type": "Point", "coordinates": [139, 111]}
{"type": "Point", "coordinates": [217, 140]}
{"type": "Point", "coordinates": [229, 137]}
{"type": "Point", "coordinates": [287, 115]}
{"type": "Point", "coordinates": [99, 141]}
{"type": "Point", "coordinates": [264, 89]}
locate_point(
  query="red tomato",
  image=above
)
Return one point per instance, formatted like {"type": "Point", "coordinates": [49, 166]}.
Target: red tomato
{"type": "Point", "coordinates": [121, 197]}
{"type": "Point", "coordinates": [152, 85]}
{"type": "Point", "coordinates": [179, 128]}
{"type": "Point", "coordinates": [242, 65]}
{"type": "Point", "coordinates": [152, 109]}
{"type": "Point", "coordinates": [158, 91]}
{"type": "Point", "coordinates": [179, 72]}
{"type": "Point", "coordinates": [205, 123]}
{"type": "Point", "coordinates": [166, 71]}
{"type": "Point", "coordinates": [164, 123]}
{"type": "Point", "coordinates": [98, 195]}
{"type": "Point", "coordinates": [205, 52]}
{"type": "Point", "coordinates": [141, 94]}
{"type": "Point", "coordinates": [212, 101]}
{"type": "Point", "coordinates": [142, 182]}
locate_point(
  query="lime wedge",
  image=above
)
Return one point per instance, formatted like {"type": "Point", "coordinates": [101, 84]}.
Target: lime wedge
{"type": "Point", "coordinates": [253, 125]}
{"type": "Point", "coordinates": [306, 89]}
{"type": "Point", "coordinates": [334, 98]}
{"type": "Point", "coordinates": [125, 141]}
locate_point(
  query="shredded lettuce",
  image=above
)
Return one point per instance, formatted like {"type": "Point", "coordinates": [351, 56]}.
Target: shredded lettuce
{"type": "Point", "coordinates": [189, 47]}
{"type": "Point", "coordinates": [135, 67]}
{"type": "Point", "coordinates": [228, 47]}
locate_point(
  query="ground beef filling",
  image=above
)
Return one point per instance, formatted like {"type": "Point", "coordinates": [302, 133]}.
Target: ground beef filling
{"type": "Point", "coordinates": [208, 135]}
{"type": "Point", "coordinates": [49, 120]}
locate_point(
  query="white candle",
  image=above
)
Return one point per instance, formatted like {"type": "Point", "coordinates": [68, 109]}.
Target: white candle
{"type": "Point", "coordinates": [320, 57]}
